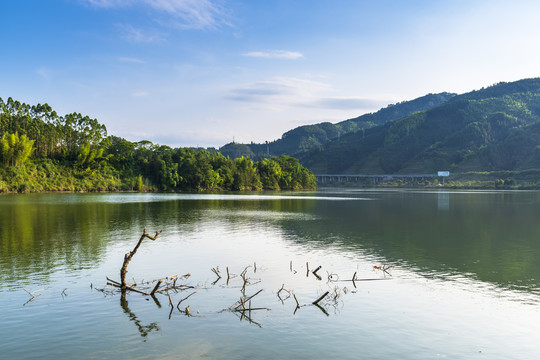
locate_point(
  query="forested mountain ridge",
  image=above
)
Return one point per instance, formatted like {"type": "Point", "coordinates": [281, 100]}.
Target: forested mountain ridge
{"type": "Point", "coordinates": [310, 137]}
{"type": "Point", "coordinates": [491, 129]}
{"type": "Point", "coordinates": [43, 151]}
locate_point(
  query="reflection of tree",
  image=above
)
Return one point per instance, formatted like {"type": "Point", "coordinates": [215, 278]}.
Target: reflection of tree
{"type": "Point", "coordinates": [144, 330]}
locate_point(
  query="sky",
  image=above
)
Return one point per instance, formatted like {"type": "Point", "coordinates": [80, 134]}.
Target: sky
{"type": "Point", "coordinates": [207, 72]}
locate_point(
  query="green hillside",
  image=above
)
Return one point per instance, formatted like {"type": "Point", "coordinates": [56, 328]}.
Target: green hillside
{"type": "Point", "coordinates": [492, 129]}
{"type": "Point", "coordinates": [41, 150]}
{"type": "Point", "coordinates": [310, 137]}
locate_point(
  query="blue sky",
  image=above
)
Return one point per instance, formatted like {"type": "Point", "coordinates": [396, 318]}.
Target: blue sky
{"type": "Point", "coordinates": [202, 72]}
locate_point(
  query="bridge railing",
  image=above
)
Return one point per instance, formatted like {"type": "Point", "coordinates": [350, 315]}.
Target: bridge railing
{"type": "Point", "coordinates": [376, 177]}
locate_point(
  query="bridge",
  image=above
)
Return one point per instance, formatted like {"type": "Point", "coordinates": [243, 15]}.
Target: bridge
{"type": "Point", "coordinates": [323, 178]}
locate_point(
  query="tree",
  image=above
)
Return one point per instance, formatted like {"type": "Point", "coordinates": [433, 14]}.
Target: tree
{"type": "Point", "coordinates": [245, 175]}
{"type": "Point", "coordinates": [15, 149]}
{"type": "Point", "coordinates": [270, 173]}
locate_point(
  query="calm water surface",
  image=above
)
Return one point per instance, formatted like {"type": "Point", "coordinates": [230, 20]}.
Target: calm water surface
{"type": "Point", "coordinates": [464, 282]}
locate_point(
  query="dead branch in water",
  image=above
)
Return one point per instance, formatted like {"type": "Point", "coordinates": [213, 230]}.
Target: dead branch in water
{"type": "Point", "coordinates": [319, 299]}
{"type": "Point", "coordinates": [193, 293]}
{"type": "Point", "coordinates": [31, 293]}
{"type": "Point", "coordinates": [128, 256]}
{"type": "Point", "coordinates": [297, 303]}
{"type": "Point", "coordinates": [156, 287]}
{"type": "Point", "coordinates": [314, 272]}
{"type": "Point", "coordinates": [279, 293]}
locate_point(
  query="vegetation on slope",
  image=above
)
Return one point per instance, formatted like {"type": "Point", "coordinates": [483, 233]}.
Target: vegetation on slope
{"type": "Point", "coordinates": [311, 137]}
{"type": "Point", "coordinates": [42, 151]}
{"type": "Point", "coordinates": [492, 129]}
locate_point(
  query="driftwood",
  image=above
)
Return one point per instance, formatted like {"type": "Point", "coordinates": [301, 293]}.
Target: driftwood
{"type": "Point", "coordinates": [129, 256]}
{"type": "Point", "coordinates": [242, 307]}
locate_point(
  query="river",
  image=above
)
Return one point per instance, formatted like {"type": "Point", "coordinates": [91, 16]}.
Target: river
{"type": "Point", "coordinates": [439, 274]}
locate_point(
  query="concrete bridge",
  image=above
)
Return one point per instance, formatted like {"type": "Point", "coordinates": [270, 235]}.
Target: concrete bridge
{"type": "Point", "coordinates": [323, 178]}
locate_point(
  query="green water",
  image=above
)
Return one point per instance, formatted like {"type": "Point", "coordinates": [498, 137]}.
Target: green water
{"type": "Point", "coordinates": [464, 279]}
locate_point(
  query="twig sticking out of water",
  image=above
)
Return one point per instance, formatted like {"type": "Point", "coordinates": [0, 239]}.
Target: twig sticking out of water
{"type": "Point", "coordinates": [128, 256]}
{"type": "Point", "coordinates": [297, 304]}
{"type": "Point", "coordinates": [156, 287]}
{"type": "Point", "coordinates": [314, 272]}
{"type": "Point", "coordinates": [319, 299]}
{"type": "Point", "coordinates": [383, 268]}
{"type": "Point", "coordinates": [193, 293]}
{"type": "Point", "coordinates": [216, 271]}
{"type": "Point", "coordinates": [31, 293]}
{"type": "Point", "coordinates": [285, 290]}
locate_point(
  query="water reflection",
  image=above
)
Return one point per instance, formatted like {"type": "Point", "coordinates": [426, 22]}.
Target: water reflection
{"type": "Point", "coordinates": [489, 237]}
{"type": "Point", "coordinates": [443, 201]}
{"type": "Point", "coordinates": [144, 330]}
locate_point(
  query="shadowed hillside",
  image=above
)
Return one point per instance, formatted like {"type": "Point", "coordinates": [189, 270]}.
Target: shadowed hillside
{"type": "Point", "coordinates": [311, 137]}
{"type": "Point", "coordinates": [492, 129]}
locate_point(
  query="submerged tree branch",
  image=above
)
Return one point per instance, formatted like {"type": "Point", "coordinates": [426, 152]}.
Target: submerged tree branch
{"type": "Point", "coordinates": [129, 256]}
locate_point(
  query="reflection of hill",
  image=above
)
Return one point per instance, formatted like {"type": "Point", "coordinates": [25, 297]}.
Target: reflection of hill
{"type": "Point", "coordinates": [44, 233]}
{"type": "Point", "coordinates": [492, 236]}
{"type": "Point", "coordinates": [36, 235]}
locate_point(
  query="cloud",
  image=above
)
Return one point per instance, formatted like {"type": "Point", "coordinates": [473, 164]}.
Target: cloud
{"type": "Point", "coordinates": [136, 35]}
{"type": "Point", "coordinates": [185, 14]}
{"type": "Point", "coordinates": [282, 89]}
{"type": "Point", "coordinates": [192, 14]}
{"type": "Point", "coordinates": [347, 103]}
{"type": "Point", "coordinates": [108, 3]}
{"type": "Point", "coordinates": [258, 91]}
{"type": "Point", "coordinates": [140, 94]}
{"type": "Point", "coordinates": [275, 54]}
{"type": "Point", "coordinates": [287, 93]}
{"type": "Point", "coordinates": [131, 60]}
{"type": "Point", "coordinates": [44, 73]}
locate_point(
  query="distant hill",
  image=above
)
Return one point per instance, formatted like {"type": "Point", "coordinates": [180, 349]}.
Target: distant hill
{"type": "Point", "coordinates": [304, 139]}
{"type": "Point", "coordinates": [491, 129]}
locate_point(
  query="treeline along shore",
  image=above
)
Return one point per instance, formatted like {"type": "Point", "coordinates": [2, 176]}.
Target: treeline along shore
{"type": "Point", "coordinates": [41, 151]}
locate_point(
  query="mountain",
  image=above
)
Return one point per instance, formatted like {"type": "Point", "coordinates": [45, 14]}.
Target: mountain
{"type": "Point", "coordinates": [310, 137]}
{"type": "Point", "coordinates": [491, 129]}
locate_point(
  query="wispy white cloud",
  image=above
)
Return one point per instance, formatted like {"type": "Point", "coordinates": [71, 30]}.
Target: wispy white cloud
{"type": "Point", "coordinates": [131, 60]}
{"type": "Point", "coordinates": [44, 73]}
{"type": "Point", "coordinates": [275, 54]}
{"type": "Point", "coordinates": [192, 14]}
{"type": "Point", "coordinates": [286, 89]}
{"type": "Point", "coordinates": [136, 35]}
{"type": "Point", "coordinates": [343, 103]}
{"type": "Point", "coordinates": [186, 14]}
{"type": "Point", "coordinates": [108, 3]}
{"type": "Point", "coordinates": [286, 92]}
{"type": "Point", "coordinates": [140, 94]}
